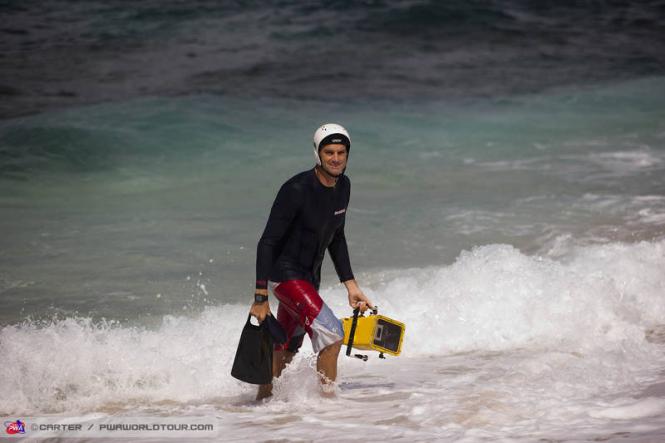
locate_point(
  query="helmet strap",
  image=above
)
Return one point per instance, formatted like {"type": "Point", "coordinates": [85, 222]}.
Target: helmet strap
{"type": "Point", "coordinates": [317, 157]}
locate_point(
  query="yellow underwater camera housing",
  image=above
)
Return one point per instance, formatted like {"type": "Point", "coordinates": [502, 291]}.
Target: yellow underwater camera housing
{"type": "Point", "coordinates": [373, 333]}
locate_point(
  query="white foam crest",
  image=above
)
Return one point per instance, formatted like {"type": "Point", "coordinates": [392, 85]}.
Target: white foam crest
{"type": "Point", "coordinates": [631, 410]}
{"type": "Point", "coordinates": [635, 210]}
{"type": "Point", "coordinates": [627, 161]}
{"type": "Point", "coordinates": [585, 314]}
{"type": "Point", "coordinates": [496, 298]}
{"type": "Point", "coordinates": [73, 364]}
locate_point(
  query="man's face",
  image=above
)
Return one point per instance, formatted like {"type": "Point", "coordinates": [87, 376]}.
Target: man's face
{"type": "Point", "coordinates": [333, 158]}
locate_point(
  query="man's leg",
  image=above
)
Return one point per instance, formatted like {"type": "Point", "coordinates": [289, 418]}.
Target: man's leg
{"type": "Point", "coordinates": [282, 354]}
{"type": "Point", "coordinates": [304, 303]}
{"type": "Point", "coordinates": [279, 361]}
{"type": "Point", "coordinates": [326, 365]}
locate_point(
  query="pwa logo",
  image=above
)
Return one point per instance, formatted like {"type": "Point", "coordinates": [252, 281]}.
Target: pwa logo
{"type": "Point", "coordinates": [15, 427]}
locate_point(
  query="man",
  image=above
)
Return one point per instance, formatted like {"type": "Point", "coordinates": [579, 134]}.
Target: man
{"type": "Point", "coordinates": [307, 217]}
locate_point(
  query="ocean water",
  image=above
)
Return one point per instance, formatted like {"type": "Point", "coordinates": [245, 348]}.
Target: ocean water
{"type": "Point", "coordinates": [508, 205]}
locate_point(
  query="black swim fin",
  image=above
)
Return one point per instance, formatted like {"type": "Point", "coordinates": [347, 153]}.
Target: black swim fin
{"type": "Point", "coordinates": [253, 360]}
{"type": "Point", "coordinates": [276, 330]}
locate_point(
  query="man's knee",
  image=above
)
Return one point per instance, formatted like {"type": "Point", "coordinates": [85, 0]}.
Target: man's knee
{"type": "Point", "coordinates": [333, 348]}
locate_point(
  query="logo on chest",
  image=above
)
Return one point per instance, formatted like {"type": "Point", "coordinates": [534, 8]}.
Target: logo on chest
{"type": "Point", "coordinates": [340, 211]}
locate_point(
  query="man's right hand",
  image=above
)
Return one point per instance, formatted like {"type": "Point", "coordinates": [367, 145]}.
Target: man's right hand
{"type": "Point", "coordinates": [260, 310]}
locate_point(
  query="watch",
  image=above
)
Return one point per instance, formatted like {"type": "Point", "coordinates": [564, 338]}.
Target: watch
{"type": "Point", "coordinates": [260, 298]}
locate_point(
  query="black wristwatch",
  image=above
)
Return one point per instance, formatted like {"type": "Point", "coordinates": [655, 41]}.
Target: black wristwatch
{"type": "Point", "coordinates": [260, 298]}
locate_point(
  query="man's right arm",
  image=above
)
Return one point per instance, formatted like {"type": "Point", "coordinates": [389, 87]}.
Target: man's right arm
{"type": "Point", "coordinates": [284, 209]}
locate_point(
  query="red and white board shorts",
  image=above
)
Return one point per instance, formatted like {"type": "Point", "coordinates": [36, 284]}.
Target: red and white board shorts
{"type": "Point", "coordinates": [301, 310]}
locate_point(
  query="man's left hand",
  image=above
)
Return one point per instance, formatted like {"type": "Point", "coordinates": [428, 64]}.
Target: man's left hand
{"type": "Point", "coordinates": [356, 297]}
{"type": "Point", "coordinates": [359, 300]}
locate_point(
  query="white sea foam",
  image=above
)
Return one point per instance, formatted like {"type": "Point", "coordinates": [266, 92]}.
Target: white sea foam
{"type": "Point", "coordinates": [495, 298]}
{"type": "Point", "coordinates": [74, 365]}
{"type": "Point", "coordinates": [627, 161]}
{"type": "Point", "coordinates": [498, 340]}
{"type": "Point", "coordinates": [646, 407]}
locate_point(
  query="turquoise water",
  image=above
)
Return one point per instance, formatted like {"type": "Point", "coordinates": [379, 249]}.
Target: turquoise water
{"type": "Point", "coordinates": [154, 206]}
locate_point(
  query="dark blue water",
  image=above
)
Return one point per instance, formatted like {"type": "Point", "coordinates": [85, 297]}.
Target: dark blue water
{"type": "Point", "coordinates": [64, 53]}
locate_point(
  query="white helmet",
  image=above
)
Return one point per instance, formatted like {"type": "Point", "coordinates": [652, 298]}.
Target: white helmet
{"type": "Point", "coordinates": [327, 134]}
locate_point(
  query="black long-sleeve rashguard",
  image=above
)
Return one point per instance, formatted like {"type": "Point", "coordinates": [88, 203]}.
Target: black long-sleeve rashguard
{"type": "Point", "coordinates": [306, 219]}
